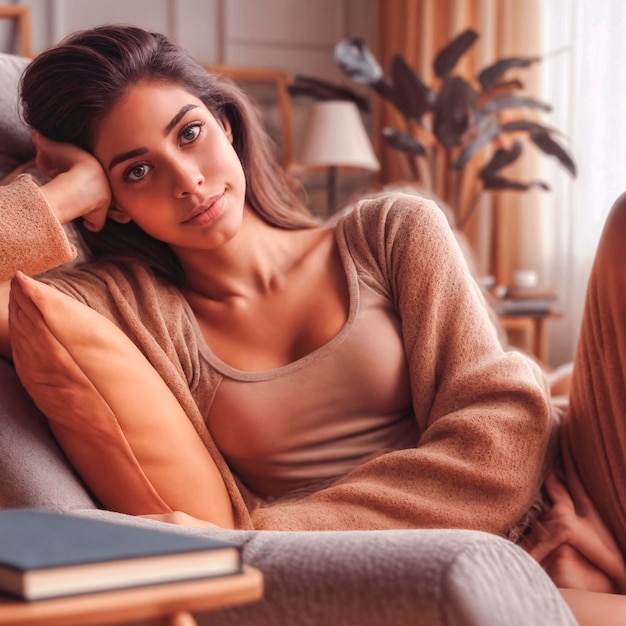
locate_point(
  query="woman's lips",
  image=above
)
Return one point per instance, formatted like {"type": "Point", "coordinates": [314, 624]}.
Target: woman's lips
{"type": "Point", "coordinates": [208, 212]}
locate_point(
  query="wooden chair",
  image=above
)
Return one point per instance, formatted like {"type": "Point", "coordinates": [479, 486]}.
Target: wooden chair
{"type": "Point", "coordinates": [268, 88]}
{"type": "Point", "coordinates": [20, 15]}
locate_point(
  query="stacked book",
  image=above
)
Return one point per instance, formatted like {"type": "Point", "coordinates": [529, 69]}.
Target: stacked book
{"type": "Point", "coordinates": [44, 554]}
{"type": "Point", "coordinates": [520, 301]}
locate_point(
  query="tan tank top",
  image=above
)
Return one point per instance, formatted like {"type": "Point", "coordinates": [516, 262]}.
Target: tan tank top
{"type": "Point", "coordinates": [310, 422]}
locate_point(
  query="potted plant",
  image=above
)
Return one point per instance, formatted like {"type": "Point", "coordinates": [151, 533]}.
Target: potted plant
{"type": "Point", "coordinates": [458, 121]}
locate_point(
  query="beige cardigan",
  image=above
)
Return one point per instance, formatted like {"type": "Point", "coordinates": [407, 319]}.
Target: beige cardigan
{"type": "Point", "coordinates": [482, 414]}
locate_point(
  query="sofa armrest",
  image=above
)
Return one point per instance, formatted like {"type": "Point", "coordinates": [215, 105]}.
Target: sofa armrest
{"type": "Point", "coordinates": [384, 577]}
{"type": "Point", "coordinates": [33, 470]}
{"type": "Point", "coordinates": [400, 577]}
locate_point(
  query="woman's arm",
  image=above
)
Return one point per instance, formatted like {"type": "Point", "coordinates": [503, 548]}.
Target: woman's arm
{"type": "Point", "coordinates": [79, 188]}
{"type": "Point", "coordinates": [483, 415]}
{"type": "Point", "coordinates": [593, 609]}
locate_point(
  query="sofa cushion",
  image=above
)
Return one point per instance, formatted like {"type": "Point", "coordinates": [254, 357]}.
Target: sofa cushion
{"type": "Point", "coordinates": [16, 146]}
{"type": "Point", "coordinates": [33, 470]}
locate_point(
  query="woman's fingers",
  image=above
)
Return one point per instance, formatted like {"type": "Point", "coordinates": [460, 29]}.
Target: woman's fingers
{"type": "Point", "coordinates": [54, 157]}
{"type": "Point", "coordinates": [94, 221]}
{"type": "Point", "coordinates": [43, 159]}
{"type": "Point", "coordinates": [543, 541]}
{"type": "Point", "coordinates": [571, 570]}
{"type": "Point", "coordinates": [73, 168]}
{"type": "Point", "coordinates": [563, 526]}
{"type": "Point", "coordinates": [559, 495]}
{"type": "Point", "coordinates": [559, 525]}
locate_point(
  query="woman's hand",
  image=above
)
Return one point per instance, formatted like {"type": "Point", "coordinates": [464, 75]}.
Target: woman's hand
{"type": "Point", "coordinates": [574, 545]}
{"type": "Point", "coordinates": [79, 186]}
{"type": "Point", "coordinates": [569, 569]}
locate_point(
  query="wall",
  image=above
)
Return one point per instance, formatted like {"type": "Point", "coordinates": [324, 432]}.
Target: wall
{"type": "Point", "coordinates": [297, 36]}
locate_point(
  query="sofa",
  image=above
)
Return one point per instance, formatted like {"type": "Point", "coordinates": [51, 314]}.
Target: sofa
{"type": "Point", "coordinates": [431, 577]}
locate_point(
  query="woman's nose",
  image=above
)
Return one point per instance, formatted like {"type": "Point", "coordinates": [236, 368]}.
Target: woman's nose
{"type": "Point", "coordinates": [187, 180]}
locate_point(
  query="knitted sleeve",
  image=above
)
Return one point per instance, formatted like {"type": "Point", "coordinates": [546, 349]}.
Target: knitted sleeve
{"type": "Point", "coordinates": [482, 414]}
{"type": "Point", "coordinates": [31, 239]}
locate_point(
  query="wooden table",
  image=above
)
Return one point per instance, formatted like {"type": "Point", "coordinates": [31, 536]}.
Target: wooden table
{"type": "Point", "coordinates": [168, 604]}
{"type": "Point", "coordinates": [533, 328]}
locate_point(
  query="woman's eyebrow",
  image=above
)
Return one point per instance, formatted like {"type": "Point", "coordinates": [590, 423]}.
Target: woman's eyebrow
{"type": "Point", "coordinates": [125, 156]}
{"type": "Point", "coordinates": [179, 116]}
{"type": "Point", "coordinates": [166, 131]}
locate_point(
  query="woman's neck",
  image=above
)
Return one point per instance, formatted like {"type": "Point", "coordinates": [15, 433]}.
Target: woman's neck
{"type": "Point", "coordinates": [253, 262]}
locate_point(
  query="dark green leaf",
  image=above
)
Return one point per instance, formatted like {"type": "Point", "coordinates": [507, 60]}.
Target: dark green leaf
{"type": "Point", "coordinates": [499, 182]}
{"type": "Point", "coordinates": [500, 159]}
{"type": "Point", "coordinates": [492, 74]}
{"type": "Point", "coordinates": [449, 55]}
{"type": "Point", "coordinates": [319, 89]}
{"type": "Point", "coordinates": [410, 95]}
{"type": "Point", "coordinates": [454, 110]}
{"type": "Point", "coordinates": [385, 90]}
{"type": "Point", "coordinates": [512, 101]}
{"type": "Point", "coordinates": [388, 92]}
{"type": "Point", "coordinates": [508, 84]}
{"type": "Point", "coordinates": [354, 58]}
{"type": "Point", "coordinates": [403, 142]}
{"type": "Point", "coordinates": [547, 144]}
{"type": "Point", "coordinates": [527, 125]}
{"type": "Point", "coordinates": [488, 132]}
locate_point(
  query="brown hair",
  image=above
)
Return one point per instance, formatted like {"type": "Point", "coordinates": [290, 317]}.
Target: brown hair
{"type": "Point", "coordinates": [68, 89]}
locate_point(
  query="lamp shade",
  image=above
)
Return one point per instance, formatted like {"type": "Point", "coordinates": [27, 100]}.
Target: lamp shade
{"type": "Point", "coordinates": [335, 136]}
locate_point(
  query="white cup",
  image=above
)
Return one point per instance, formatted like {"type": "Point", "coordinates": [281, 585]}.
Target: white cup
{"type": "Point", "coordinates": [525, 279]}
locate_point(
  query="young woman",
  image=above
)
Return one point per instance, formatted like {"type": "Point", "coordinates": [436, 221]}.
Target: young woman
{"type": "Point", "coordinates": [335, 377]}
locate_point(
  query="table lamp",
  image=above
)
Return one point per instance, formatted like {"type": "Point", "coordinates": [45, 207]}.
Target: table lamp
{"type": "Point", "coordinates": [334, 136]}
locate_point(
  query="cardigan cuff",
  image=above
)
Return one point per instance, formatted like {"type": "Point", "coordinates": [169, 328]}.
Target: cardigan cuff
{"type": "Point", "coordinates": [32, 240]}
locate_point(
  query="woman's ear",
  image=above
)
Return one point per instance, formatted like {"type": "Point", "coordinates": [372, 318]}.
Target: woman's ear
{"type": "Point", "coordinates": [225, 124]}
{"type": "Point", "coordinates": [118, 215]}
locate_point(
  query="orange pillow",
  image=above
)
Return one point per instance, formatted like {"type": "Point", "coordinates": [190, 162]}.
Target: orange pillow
{"type": "Point", "coordinates": [117, 421]}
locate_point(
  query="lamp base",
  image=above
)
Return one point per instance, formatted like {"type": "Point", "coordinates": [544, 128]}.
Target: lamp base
{"type": "Point", "coordinates": [331, 190]}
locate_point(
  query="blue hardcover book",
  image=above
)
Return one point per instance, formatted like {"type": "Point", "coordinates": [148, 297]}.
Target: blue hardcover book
{"type": "Point", "coordinates": [45, 555]}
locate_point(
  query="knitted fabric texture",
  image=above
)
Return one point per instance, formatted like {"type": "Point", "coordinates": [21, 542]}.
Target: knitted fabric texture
{"type": "Point", "coordinates": [32, 240]}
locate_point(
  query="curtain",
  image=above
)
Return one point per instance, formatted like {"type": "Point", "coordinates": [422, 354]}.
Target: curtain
{"type": "Point", "coordinates": [417, 29]}
{"type": "Point", "coordinates": [582, 75]}
{"type": "Point", "coordinates": [585, 78]}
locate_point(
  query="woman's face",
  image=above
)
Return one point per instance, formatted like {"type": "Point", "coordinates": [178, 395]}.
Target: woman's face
{"type": "Point", "coordinates": [172, 167]}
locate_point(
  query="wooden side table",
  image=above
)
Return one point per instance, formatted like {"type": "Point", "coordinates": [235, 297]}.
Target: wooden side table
{"type": "Point", "coordinates": [168, 604]}
{"type": "Point", "coordinates": [532, 326]}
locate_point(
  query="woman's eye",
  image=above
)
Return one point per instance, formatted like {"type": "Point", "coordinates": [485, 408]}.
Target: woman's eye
{"type": "Point", "coordinates": [190, 133]}
{"type": "Point", "coordinates": [136, 172]}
